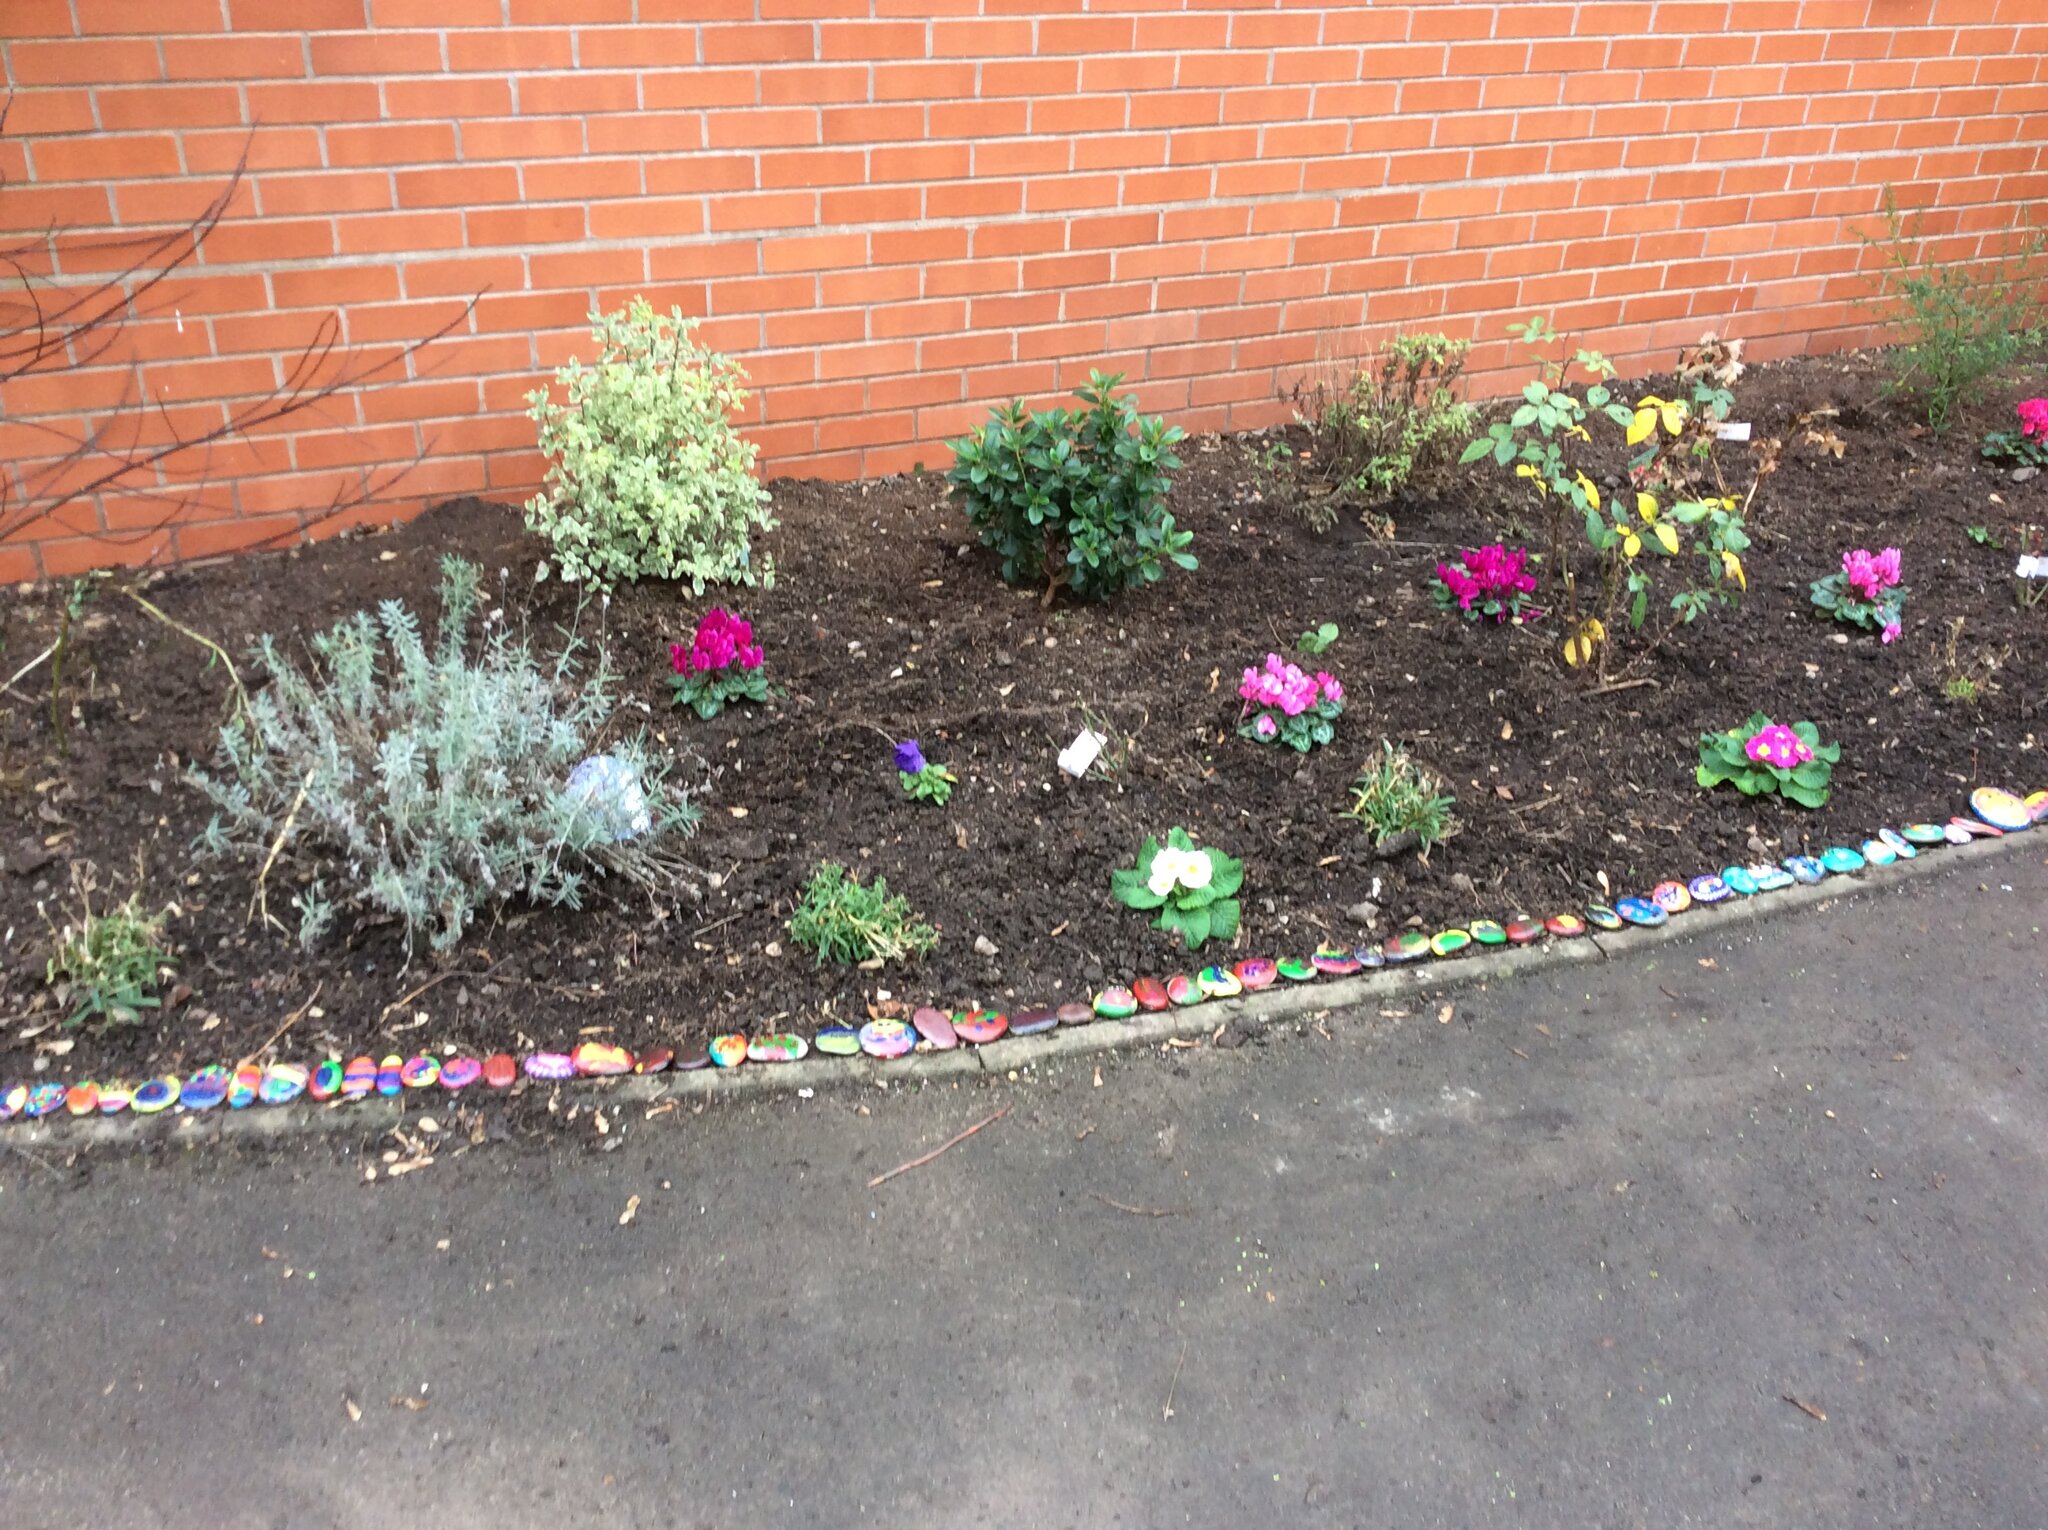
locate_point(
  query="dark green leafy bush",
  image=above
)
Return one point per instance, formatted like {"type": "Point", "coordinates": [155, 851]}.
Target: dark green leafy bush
{"type": "Point", "coordinates": [1074, 497]}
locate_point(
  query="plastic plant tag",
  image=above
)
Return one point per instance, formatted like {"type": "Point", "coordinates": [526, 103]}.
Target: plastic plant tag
{"type": "Point", "coordinates": [1080, 754]}
{"type": "Point", "coordinates": [2031, 566]}
{"type": "Point", "coordinates": [1732, 430]}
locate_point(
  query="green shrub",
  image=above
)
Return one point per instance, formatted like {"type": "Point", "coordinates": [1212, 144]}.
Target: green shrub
{"type": "Point", "coordinates": [1074, 497]}
{"type": "Point", "coordinates": [1393, 795]}
{"type": "Point", "coordinates": [844, 922]}
{"type": "Point", "coordinates": [1958, 322]}
{"type": "Point", "coordinates": [1383, 425]}
{"type": "Point", "coordinates": [647, 478]}
{"type": "Point", "coordinates": [429, 782]}
{"type": "Point", "coordinates": [108, 964]}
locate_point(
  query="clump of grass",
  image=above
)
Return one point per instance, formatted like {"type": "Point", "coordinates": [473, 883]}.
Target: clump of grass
{"type": "Point", "coordinates": [1394, 796]}
{"type": "Point", "coordinates": [847, 923]}
{"type": "Point", "coordinates": [107, 964]}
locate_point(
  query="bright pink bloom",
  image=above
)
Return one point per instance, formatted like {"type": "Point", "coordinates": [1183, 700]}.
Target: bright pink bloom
{"type": "Point", "coordinates": [1488, 573]}
{"type": "Point", "coordinates": [1871, 574]}
{"type": "Point", "coordinates": [1777, 745]}
{"type": "Point", "coordinates": [1265, 727]}
{"type": "Point", "coordinates": [721, 639]}
{"type": "Point", "coordinates": [1891, 631]}
{"type": "Point", "coordinates": [1283, 686]}
{"type": "Point", "coordinates": [2034, 419]}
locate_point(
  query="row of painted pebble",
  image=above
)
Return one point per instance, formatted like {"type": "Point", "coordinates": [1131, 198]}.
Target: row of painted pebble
{"type": "Point", "coordinates": [1996, 813]}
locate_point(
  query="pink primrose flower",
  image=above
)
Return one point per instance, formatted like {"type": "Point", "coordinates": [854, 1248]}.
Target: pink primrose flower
{"type": "Point", "coordinates": [1777, 745]}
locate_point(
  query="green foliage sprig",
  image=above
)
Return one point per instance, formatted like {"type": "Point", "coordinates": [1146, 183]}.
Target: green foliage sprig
{"type": "Point", "coordinates": [847, 923]}
{"type": "Point", "coordinates": [1193, 890]}
{"type": "Point", "coordinates": [1375, 428]}
{"type": "Point", "coordinates": [108, 965]}
{"type": "Point", "coordinates": [1394, 795]}
{"type": "Point", "coordinates": [1074, 498]}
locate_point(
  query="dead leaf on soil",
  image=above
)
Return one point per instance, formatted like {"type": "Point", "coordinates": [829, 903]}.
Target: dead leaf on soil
{"type": "Point", "coordinates": [632, 1210]}
{"type": "Point", "coordinates": [355, 1414]}
{"type": "Point", "coordinates": [410, 1404]}
{"type": "Point", "coordinates": [1443, 1016]}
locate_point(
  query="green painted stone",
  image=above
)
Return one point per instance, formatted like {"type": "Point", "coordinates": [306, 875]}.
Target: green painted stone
{"type": "Point", "coordinates": [1182, 990]}
{"type": "Point", "coordinates": [1298, 969]}
{"type": "Point", "coordinates": [1408, 946]}
{"type": "Point", "coordinates": [1601, 917]}
{"type": "Point", "coordinates": [1488, 933]}
{"type": "Point", "coordinates": [1840, 858]}
{"type": "Point", "coordinates": [1450, 942]}
{"type": "Point", "coordinates": [1218, 983]}
{"type": "Point", "coordinates": [1924, 834]}
{"type": "Point", "coordinates": [838, 1041]}
{"type": "Point", "coordinates": [1116, 1003]}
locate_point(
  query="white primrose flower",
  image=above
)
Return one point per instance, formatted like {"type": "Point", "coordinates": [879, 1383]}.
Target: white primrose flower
{"type": "Point", "coordinates": [1196, 869]}
{"type": "Point", "coordinates": [1167, 868]}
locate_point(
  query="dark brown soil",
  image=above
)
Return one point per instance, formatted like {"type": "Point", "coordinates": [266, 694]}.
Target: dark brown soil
{"type": "Point", "coordinates": [884, 624]}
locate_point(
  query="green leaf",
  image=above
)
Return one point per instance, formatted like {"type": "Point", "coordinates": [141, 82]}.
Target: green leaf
{"type": "Point", "coordinates": [1223, 919]}
{"type": "Point", "coordinates": [1226, 875]}
{"type": "Point", "coordinates": [1194, 927]}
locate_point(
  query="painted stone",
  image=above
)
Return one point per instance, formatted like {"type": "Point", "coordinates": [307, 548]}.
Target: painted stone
{"type": "Point", "coordinates": [420, 1072]}
{"type": "Point", "coordinates": [1522, 931]}
{"type": "Point", "coordinates": [1487, 932]}
{"type": "Point", "coordinates": [458, 1073]}
{"type": "Point", "coordinates": [204, 1089]}
{"type": "Point", "coordinates": [1956, 833]}
{"type": "Point", "coordinates": [2037, 805]}
{"type": "Point", "coordinates": [114, 1098]}
{"type": "Point", "coordinates": [1841, 859]}
{"type": "Point", "coordinates": [1183, 990]}
{"type": "Point", "coordinates": [1218, 983]}
{"type": "Point", "coordinates": [500, 1071]}
{"type": "Point", "coordinates": [981, 1026]}
{"type": "Point", "coordinates": [1255, 973]}
{"type": "Point", "coordinates": [326, 1081]}
{"type": "Point", "coordinates": [778, 1047]}
{"type": "Point", "coordinates": [158, 1094]}
{"type": "Point", "coordinates": [1334, 961]}
{"type": "Point", "coordinates": [597, 1059]}
{"type": "Point", "coordinates": [1878, 853]}
{"type": "Point", "coordinates": [1924, 834]}
{"type": "Point", "coordinates": [693, 1059]}
{"type": "Point", "coordinates": [1641, 911]}
{"type": "Point", "coordinates": [1805, 869]}
{"type": "Point", "coordinates": [1901, 846]}
{"type": "Point", "coordinates": [887, 1038]}
{"type": "Point", "coordinates": [648, 1060]}
{"type": "Point", "coordinates": [1770, 878]}
{"type": "Point", "coordinates": [2001, 809]}
{"type": "Point", "coordinates": [1116, 1002]}
{"type": "Point", "coordinates": [47, 1099]}
{"type": "Point", "coordinates": [1708, 889]}
{"type": "Point", "coordinates": [1977, 828]}
{"type": "Point", "coordinates": [1370, 957]}
{"type": "Point", "coordinates": [1450, 942]}
{"type": "Point", "coordinates": [1297, 969]}
{"type": "Point", "coordinates": [1672, 897]}
{"type": "Point", "coordinates": [1075, 1013]}
{"type": "Point", "coordinates": [1601, 917]}
{"type": "Point", "coordinates": [838, 1041]}
{"type": "Point", "coordinates": [934, 1027]}
{"type": "Point", "coordinates": [13, 1100]}
{"type": "Point", "coordinates": [390, 1076]}
{"type": "Point", "coordinates": [282, 1083]}
{"type": "Point", "coordinates": [359, 1078]}
{"type": "Point", "coordinates": [1738, 880]}
{"type": "Point", "coordinates": [1565, 926]}
{"type": "Point", "coordinates": [1033, 1022]}
{"type": "Point", "coordinates": [559, 1065]}
{"type": "Point", "coordinates": [730, 1050]}
{"type": "Point", "coordinates": [1408, 946]}
{"type": "Point", "coordinates": [1150, 994]}
{"type": "Point", "coordinates": [243, 1085]}
{"type": "Point", "coordinates": [82, 1098]}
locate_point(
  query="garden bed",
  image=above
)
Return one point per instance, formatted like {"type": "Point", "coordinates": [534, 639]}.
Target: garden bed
{"type": "Point", "coordinates": [886, 624]}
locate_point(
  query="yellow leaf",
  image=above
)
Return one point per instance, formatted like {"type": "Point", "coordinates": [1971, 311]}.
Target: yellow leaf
{"type": "Point", "coordinates": [1587, 488]}
{"type": "Point", "coordinates": [1667, 536]}
{"type": "Point", "coordinates": [1646, 506]}
{"type": "Point", "coordinates": [1595, 629]}
{"type": "Point", "coordinates": [1574, 653]}
{"type": "Point", "coordinates": [1525, 470]}
{"type": "Point", "coordinates": [1731, 567]}
{"type": "Point", "coordinates": [1640, 427]}
{"type": "Point", "coordinates": [1631, 544]}
{"type": "Point", "coordinates": [1674, 415]}
{"type": "Point", "coordinates": [1580, 431]}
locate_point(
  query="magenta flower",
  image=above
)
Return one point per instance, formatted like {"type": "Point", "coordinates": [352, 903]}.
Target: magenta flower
{"type": "Point", "coordinates": [2034, 419]}
{"type": "Point", "coordinates": [1488, 576]}
{"type": "Point", "coordinates": [1891, 631]}
{"type": "Point", "coordinates": [1265, 727]}
{"type": "Point", "coordinates": [1777, 746]}
{"type": "Point", "coordinates": [1871, 574]}
{"type": "Point", "coordinates": [721, 639]}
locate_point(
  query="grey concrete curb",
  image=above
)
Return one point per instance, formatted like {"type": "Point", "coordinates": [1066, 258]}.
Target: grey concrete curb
{"type": "Point", "coordinates": [374, 1117]}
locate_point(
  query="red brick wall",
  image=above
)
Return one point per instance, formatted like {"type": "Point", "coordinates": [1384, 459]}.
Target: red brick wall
{"type": "Point", "coordinates": [896, 211]}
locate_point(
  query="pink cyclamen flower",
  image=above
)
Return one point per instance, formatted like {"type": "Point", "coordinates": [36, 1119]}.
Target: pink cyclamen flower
{"type": "Point", "coordinates": [1327, 684]}
{"type": "Point", "coordinates": [1871, 574]}
{"type": "Point", "coordinates": [1891, 631]}
{"type": "Point", "coordinates": [2034, 419]}
{"type": "Point", "coordinates": [1265, 727]}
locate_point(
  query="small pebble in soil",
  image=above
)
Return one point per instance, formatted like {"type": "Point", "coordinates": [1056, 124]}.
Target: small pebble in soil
{"type": "Point", "coordinates": [983, 946]}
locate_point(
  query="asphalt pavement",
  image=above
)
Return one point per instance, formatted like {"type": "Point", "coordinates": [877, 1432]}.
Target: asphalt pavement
{"type": "Point", "coordinates": [1749, 1230]}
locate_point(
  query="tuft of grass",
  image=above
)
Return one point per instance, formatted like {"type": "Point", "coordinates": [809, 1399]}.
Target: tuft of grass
{"type": "Point", "coordinates": [1394, 795]}
{"type": "Point", "coordinates": [107, 964]}
{"type": "Point", "coordinates": [847, 923]}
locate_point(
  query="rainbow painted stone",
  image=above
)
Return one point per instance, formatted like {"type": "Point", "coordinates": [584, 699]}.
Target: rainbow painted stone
{"type": "Point", "coordinates": [1333, 961]}
{"type": "Point", "coordinates": [1033, 1022]}
{"type": "Point", "coordinates": [326, 1081]}
{"type": "Point", "coordinates": [1924, 834]}
{"type": "Point", "coordinates": [82, 1098]}
{"type": "Point", "coordinates": [981, 1026]}
{"type": "Point", "coordinates": [778, 1047]}
{"type": "Point", "coordinates": [1218, 983]}
{"type": "Point", "coordinates": [243, 1086]}
{"type": "Point", "coordinates": [841, 1041]}
{"type": "Point", "coordinates": [460, 1072]}
{"type": "Point", "coordinates": [1523, 931]}
{"type": "Point", "coordinates": [2037, 805]}
{"type": "Point", "coordinates": [46, 1099]}
{"type": "Point", "coordinates": [1738, 880]}
{"type": "Point", "coordinates": [1150, 994]}
{"type": "Point", "coordinates": [204, 1089]}
{"type": "Point", "coordinates": [390, 1077]}
{"type": "Point", "coordinates": [1296, 969]}
{"type": "Point", "coordinates": [1255, 973]}
{"type": "Point", "coordinates": [1184, 991]}
{"type": "Point", "coordinates": [1902, 847]}
{"type": "Point", "coordinates": [359, 1077]}
{"type": "Point", "coordinates": [934, 1026]}
{"type": "Point", "coordinates": [1074, 1013]}
{"type": "Point", "coordinates": [887, 1038]}
{"type": "Point", "coordinates": [1408, 946]}
{"type": "Point", "coordinates": [1601, 917]}
{"type": "Point", "coordinates": [598, 1059]}
{"type": "Point", "coordinates": [1672, 897]}
{"type": "Point", "coordinates": [423, 1072]}
{"type": "Point", "coordinates": [1641, 911]}
{"type": "Point", "coordinates": [1841, 859]}
{"type": "Point", "coordinates": [1708, 889]}
{"type": "Point", "coordinates": [1487, 932]}
{"type": "Point", "coordinates": [13, 1100]}
{"type": "Point", "coordinates": [115, 1098]}
{"type": "Point", "coordinates": [1450, 942]}
{"type": "Point", "coordinates": [2001, 809]}
{"type": "Point", "coordinates": [282, 1083]}
{"type": "Point", "coordinates": [1565, 926]}
{"type": "Point", "coordinates": [158, 1094]}
{"type": "Point", "coordinates": [1116, 1002]}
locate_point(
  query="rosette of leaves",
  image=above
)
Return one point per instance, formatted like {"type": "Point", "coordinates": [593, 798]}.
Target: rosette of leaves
{"type": "Point", "coordinates": [1194, 891]}
{"type": "Point", "coordinates": [1762, 758]}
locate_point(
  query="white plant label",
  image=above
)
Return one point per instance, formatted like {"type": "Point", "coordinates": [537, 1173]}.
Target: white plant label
{"type": "Point", "coordinates": [1732, 430]}
{"type": "Point", "coordinates": [1080, 754]}
{"type": "Point", "coordinates": [2031, 567]}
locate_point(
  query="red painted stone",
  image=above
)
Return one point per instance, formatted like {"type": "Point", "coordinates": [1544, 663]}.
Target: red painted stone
{"type": "Point", "coordinates": [500, 1071]}
{"type": "Point", "coordinates": [1150, 994]}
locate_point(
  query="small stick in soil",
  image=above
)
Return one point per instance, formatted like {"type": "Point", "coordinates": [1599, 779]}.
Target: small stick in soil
{"type": "Point", "coordinates": [262, 898]}
{"type": "Point", "coordinates": [406, 998]}
{"type": "Point", "coordinates": [48, 1169]}
{"type": "Point", "coordinates": [918, 1163]}
{"type": "Point", "coordinates": [290, 1020]}
{"type": "Point", "coordinates": [1806, 1407]}
{"type": "Point", "coordinates": [1139, 1211]}
{"type": "Point", "coordinates": [220, 653]}
{"type": "Point", "coordinates": [1174, 1385]}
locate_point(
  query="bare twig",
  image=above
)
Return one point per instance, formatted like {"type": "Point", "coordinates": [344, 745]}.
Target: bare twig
{"type": "Point", "coordinates": [406, 998]}
{"type": "Point", "coordinates": [1139, 1211]}
{"type": "Point", "coordinates": [290, 1020]}
{"type": "Point", "coordinates": [1174, 1385]}
{"type": "Point", "coordinates": [917, 1163]}
{"type": "Point", "coordinates": [220, 653]}
{"type": "Point", "coordinates": [262, 895]}
{"type": "Point", "coordinates": [1805, 1407]}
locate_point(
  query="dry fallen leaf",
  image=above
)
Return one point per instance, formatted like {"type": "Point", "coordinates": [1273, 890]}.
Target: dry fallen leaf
{"type": "Point", "coordinates": [355, 1414]}
{"type": "Point", "coordinates": [1709, 963]}
{"type": "Point", "coordinates": [1507, 731]}
{"type": "Point", "coordinates": [1505, 793]}
{"type": "Point", "coordinates": [1443, 1016]}
{"type": "Point", "coordinates": [410, 1404]}
{"type": "Point", "coordinates": [632, 1209]}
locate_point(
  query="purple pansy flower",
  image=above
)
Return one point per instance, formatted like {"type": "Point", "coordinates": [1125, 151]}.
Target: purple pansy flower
{"type": "Point", "coordinates": [909, 758]}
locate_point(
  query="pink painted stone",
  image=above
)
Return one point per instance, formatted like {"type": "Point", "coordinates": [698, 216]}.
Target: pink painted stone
{"type": "Point", "coordinates": [934, 1027]}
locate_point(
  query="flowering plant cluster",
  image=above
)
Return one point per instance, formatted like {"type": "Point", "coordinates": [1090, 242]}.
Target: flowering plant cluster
{"type": "Point", "coordinates": [1284, 705]}
{"type": "Point", "coordinates": [1763, 758]}
{"type": "Point", "coordinates": [2027, 446]}
{"type": "Point", "coordinates": [1193, 890]}
{"type": "Point", "coordinates": [1487, 582]}
{"type": "Point", "coordinates": [924, 781]}
{"type": "Point", "coordinates": [721, 664]}
{"type": "Point", "coordinates": [1866, 592]}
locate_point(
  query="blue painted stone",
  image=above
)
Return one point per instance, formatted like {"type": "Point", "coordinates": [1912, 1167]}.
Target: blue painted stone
{"type": "Point", "coordinates": [1902, 847]}
{"type": "Point", "coordinates": [1601, 917]}
{"type": "Point", "coordinates": [1708, 889]}
{"type": "Point", "coordinates": [1805, 869]}
{"type": "Point", "coordinates": [1924, 834]}
{"type": "Point", "coordinates": [1641, 911]}
{"type": "Point", "coordinates": [1841, 859]}
{"type": "Point", "coordinates": [204, 1089]}
{"type": "Point", "coordinates": [47, 1099]}
{"type": "Point", "coordinates": [1738, 880]}
{"type": "Point", "coordinates": [1369, 957]}
{"type": "Point", "coordinates": [158, 1094]}
{"type": "Point", "coordinates": [1771, 878]}
{"type": "Point", "coordinates": [1878, 853]}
